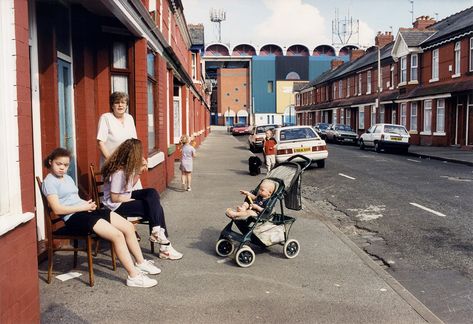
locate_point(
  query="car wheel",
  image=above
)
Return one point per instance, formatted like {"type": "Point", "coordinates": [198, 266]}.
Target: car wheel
{"type": "Point", "coordinates": [362, 145]}
{"type": "Point", "coordinates": [320, 163]}
{"type": "Point", "coordinates": [377, 147]}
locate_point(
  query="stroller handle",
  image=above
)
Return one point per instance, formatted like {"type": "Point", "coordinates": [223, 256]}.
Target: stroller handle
{"type": "Point", "coordinates": [300, 156]}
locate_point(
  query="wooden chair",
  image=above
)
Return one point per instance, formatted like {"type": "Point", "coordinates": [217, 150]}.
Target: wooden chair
{"type": "Point", "coordinates": [56, 230]}
{"type": "Point", "coordinates": [96, 192]}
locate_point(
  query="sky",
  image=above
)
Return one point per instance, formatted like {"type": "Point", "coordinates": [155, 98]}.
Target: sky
{"type": "Point", "coordinates": [309, 22]}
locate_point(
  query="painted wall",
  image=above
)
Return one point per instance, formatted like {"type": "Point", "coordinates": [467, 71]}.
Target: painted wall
{"type": "Point", "coordinates": [263, 71]}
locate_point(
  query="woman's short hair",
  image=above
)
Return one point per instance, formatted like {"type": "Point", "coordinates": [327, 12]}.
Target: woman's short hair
{"type": "Point", "coordinates": [57, 152]}
{"type": "Point", "coordinates": [118, 96]}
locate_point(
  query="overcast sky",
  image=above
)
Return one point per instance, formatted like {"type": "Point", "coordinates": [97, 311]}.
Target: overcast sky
{"type": "Point", "coordinates": [309, 22]}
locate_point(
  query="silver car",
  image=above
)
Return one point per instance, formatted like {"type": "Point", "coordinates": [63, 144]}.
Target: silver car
{"type": "Point", "coordinates": [339, 133]}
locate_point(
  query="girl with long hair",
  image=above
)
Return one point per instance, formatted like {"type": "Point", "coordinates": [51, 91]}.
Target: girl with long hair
{"type": "Point", "coordinates": [120, 173]}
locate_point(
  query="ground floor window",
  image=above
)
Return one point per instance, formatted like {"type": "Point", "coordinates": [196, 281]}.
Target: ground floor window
{"type": "Point", "coordinates": [413, 116]}
{"type": "Point", "coordinates": [373, 115]}
{"type": "Point", "coordinates": [404, 114]}
{"type": "Point", "coordinates": [427, 115]}
{"type": "Point", "coordinates": [440, 127]}
{"type": "Point", "coordinates": [381, 114]}
{"type": "Point", "coordinates": [361, 118]}
{"type": "Point", "coordinates": [348, 117]}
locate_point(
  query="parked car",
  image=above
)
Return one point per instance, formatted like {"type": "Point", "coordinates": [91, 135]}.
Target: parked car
{"type": "Point", "coordinates": [302, 140]}
{"type": "Point", "coordinates": [255, 140]}
{"type": "Point", "coordinates": [385, 136]}
{"type": "Point", "coordinates": [321, 128]}
{"type": "Point", "coordinates": [239, 129]}
{"type": "Point", "coordinates": [339, 133]}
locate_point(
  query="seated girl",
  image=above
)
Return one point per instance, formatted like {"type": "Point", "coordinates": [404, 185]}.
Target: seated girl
{"type": "Point", "coordinates": [83, 217]}
{"type": "Point", "coordinates": [120, 173]}
{"type": "Point", "coordinates": [254, 204]}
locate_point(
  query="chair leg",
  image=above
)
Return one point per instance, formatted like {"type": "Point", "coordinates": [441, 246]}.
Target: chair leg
{"type": "Point", "coordinates": [76, 246]}
{"type": "Point", "coordinates": [114, 258]}
{"type": "Point", "coordinates": [89, 261]}
{"type": "Point", "coordinates": [151, 243]}
{"type": "Point", "coordinates": [97, 244]}
{"type": "Point", "coordinates": [50, 260]}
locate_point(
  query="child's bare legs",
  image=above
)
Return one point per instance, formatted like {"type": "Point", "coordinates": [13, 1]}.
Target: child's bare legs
{"type": "Point", "coordinates": [184, 179]}
{"type": "Point", "coordinates": [243, 214]}
{"type": "Point", "coordinates": [243, 207]}
{"type": "Point", "coordinates": [112, 233]}
{"type": "Point", "coordinates": [189, 179]}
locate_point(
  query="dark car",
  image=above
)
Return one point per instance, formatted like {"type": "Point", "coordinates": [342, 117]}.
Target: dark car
{"type": "Point", "coordinates": [321, 128]}
{"type": "Point", "coordinates": [339, 133]}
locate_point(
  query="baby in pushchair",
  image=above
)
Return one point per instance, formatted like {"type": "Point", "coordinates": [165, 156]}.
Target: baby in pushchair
{"type": "Point", "coordinates": [257, 222]}
{"type": "Point", "coordinates": [253, 204]}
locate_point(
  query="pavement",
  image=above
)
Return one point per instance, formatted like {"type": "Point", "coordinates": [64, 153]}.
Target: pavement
{"type": "Point", "coordinates": [453, 154]}
{"type": "Point", "coordinates": [330, 281]}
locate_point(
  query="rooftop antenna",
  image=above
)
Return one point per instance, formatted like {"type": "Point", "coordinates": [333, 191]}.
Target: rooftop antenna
{"type": "Point", "coordinates": [344, 28]}
{"type": "Point", "coordinates": [217, 16]}
{"type": "Point", "coordinates": [436, 16]}
{"type": "Point", "coordinates": [412, 10]}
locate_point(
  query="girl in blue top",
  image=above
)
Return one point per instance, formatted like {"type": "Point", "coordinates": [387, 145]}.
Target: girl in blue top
{"type": "Point", "coordinates": [83, 217]}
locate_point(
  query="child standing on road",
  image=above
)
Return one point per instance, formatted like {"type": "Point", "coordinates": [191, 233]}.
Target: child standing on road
{"type": "Point", "coordinates": [83, 217]}
{"type": "Point", "coordinates": [269, 150]}
{"type": "Point", "coordinates": [188, 153]}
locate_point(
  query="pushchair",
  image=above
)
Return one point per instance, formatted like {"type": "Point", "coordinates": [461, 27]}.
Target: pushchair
{"type": "Point", "coordinates": [268, 227]}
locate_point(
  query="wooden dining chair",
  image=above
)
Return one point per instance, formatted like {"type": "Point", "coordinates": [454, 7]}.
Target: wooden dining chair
{"type": "Point", "coordinates": [96, 192]}
{"type": "Point", "coordinates": [56, 230]}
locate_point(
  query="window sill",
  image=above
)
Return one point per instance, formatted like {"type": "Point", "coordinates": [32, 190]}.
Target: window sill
{"type": "Point", "coordinates": [433, 80]}
{"type": "Point", "coordinates": [440, 134]}
{"type": "Point", "coordinates": [11, 221]}
{"type": "Point", "coordinates": [391, 88]}
{"type": "Point", "coordinates": [456, 76]}
{"type": "Point", "coordinates": [400, 84]}
{"type": "Point", "coordinates": [413, 82]}
{"type": "Point", "coordinates": [413, 132]}
{"type": "Point", "coordinates": [368, 93]}
{"type": "Point", "coordinates": [425, 133]}
{"type": "Point", "coordinates": [155, 159]}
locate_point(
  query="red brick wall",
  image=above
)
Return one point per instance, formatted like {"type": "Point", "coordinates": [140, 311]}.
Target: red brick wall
{"type": "Point", "coordinates": [19, 289]}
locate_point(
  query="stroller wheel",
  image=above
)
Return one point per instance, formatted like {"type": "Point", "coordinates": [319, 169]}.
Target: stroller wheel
{"type": "Point", "coordinates": [224, 247]}
{"type": "Point", "coordinates": [245, 257]}
{"type": "Point", "coordinates": [291, 249]}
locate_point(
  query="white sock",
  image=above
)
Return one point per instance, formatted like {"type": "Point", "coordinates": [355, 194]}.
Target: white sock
{"type": "Point", "coordinates": [156, 230]}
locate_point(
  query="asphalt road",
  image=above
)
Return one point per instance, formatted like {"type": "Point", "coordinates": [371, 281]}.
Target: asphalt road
{"type": "Point", "coordinates": [413, 215]}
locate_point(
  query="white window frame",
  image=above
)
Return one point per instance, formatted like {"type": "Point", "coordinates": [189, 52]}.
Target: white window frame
{"type": "Point", "coordinates": [361, 118]}
{"type": "Point", "coordinates": [359, 84]}
{"type": "Point", "coordinates": [414, 67]}
{"type": "Point", "coordinates": [404, 114]}
{"type": "Point", "coordinates": [403, 70]}
{"type": "Point", "coordinates": [471, 54]}
{"type": "Point", "coordinates": [457, 60]}
{"type": "Point", "coordinates": [373, 115]}
{"type": "Point", "coordinates": [413, 116]}
{"type": "Point", "coordinates": [427, 127]}
{"type": "Point", "coordinates": [440, 113]}
{"type": "Point", "coordinates": [368, 82]}
{"type": "Point", "coordinates": [381, 114]}
{"type": "Point", "coordinates": [435, 65]}
{"type": "Point", "coordinates": [194, 66]}
{"type": "Point", "coordinates": [348, 117]}
{"type": "Point", "coordinates": [391, 75]}
{"type": "Point", "coordinates": [340, 87]}
{"type": "Point", "coordinates": [348, 87]}
{"type": "Point", "coordinates": [334, 87]}
{"type": "Point", "coordinates": [10, 196]}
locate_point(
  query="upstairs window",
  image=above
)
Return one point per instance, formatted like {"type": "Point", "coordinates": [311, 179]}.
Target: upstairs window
{"type": "Point", "coordinates": [414, 65]}
{"type": "Point", "coordinates": [340, 94]}
{"type": "Point", "coordinates": [359, 84]}
{"type": "Point", "coordinates": [348, 87]}
{"type": "Point", "coordinates": [368, 82]}
{"type": "Point", "coordinates": [391, 77]}
{"type": "Point", "coordinates": [471, 54]}
{"type": "Point", "coordinates": [457, 57]}
{"type": "Point", "coordinates": [435, 64]}
{"type": "Point", "coordinates": [403, 77]}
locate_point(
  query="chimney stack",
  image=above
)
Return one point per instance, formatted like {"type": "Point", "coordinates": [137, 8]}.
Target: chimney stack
{"type": "Point", "coordinates": [382, 40]}
{"type": "Point", "coordinates": [335, 64]}
{"type": "Point", "coordinates": [423, 22]}
{"type": "Point", "coordinates": [356, 53]}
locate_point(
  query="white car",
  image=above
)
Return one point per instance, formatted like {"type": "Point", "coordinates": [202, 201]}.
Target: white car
{"type": "Point", "coordinates": [385, 136]}
{"type": "Point", "coordinates": [302, 140]}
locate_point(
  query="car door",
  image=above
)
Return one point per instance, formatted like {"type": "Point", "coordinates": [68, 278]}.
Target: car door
{"type": "Point", "coordinates": [368, 137]}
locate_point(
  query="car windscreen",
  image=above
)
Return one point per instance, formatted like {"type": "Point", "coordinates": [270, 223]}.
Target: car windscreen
{"type": "Point", "coordinates": [262, 129]}
{"type": "Point", "coordinates": [344, 128]}
{"type": "Point", "coordinates": [297, 134]}
{"type": "Point", "coordinates": [392, 129]}
{"type": "Point", "coordinates": [323, 126]}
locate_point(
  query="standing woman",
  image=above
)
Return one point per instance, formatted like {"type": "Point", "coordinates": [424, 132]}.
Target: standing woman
{"type": "Point", "coordinates": [83, 217]}
{"type": "Point", "coordinates": [188, 153]}
{"type": "Point", "coordinates": [120, 173]}
{"type": "Point", "coordinates": [116, 126]}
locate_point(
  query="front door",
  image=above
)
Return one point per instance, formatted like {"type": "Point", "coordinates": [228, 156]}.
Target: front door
{"type": "Point", "coordinates": [66, 113]}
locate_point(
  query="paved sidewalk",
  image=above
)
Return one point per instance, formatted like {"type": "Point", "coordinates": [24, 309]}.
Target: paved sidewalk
{"type": "Point", "coordinates": [331, 281]}
{"type": "Point", "coordinates": [445, 153]}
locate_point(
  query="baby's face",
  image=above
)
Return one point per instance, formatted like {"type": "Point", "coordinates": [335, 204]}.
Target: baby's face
{"type": "Point", "coordinates": [265, 190]}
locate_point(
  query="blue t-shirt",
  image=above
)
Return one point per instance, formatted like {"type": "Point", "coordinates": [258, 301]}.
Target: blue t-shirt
{"type": "Point", "coordinates": [64, 188]}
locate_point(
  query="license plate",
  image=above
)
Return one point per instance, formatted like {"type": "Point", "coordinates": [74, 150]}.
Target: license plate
{"type": "Point", "coordinates": [301, 149]}
{"type": "Point", "coordinates": [393, 138]}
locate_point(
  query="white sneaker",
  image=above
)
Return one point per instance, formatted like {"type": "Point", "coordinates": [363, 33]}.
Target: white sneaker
{"type": "Point", "coordinates": [141, 280]}
{"type": "Point", "coordinates": [189, 189]}
{"type": "Point", "coordinates": [148, 267]}
{"type": "Point", "coordinates": [158, 236]}
{"type": "Point", "coordinates": [168, 252]}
